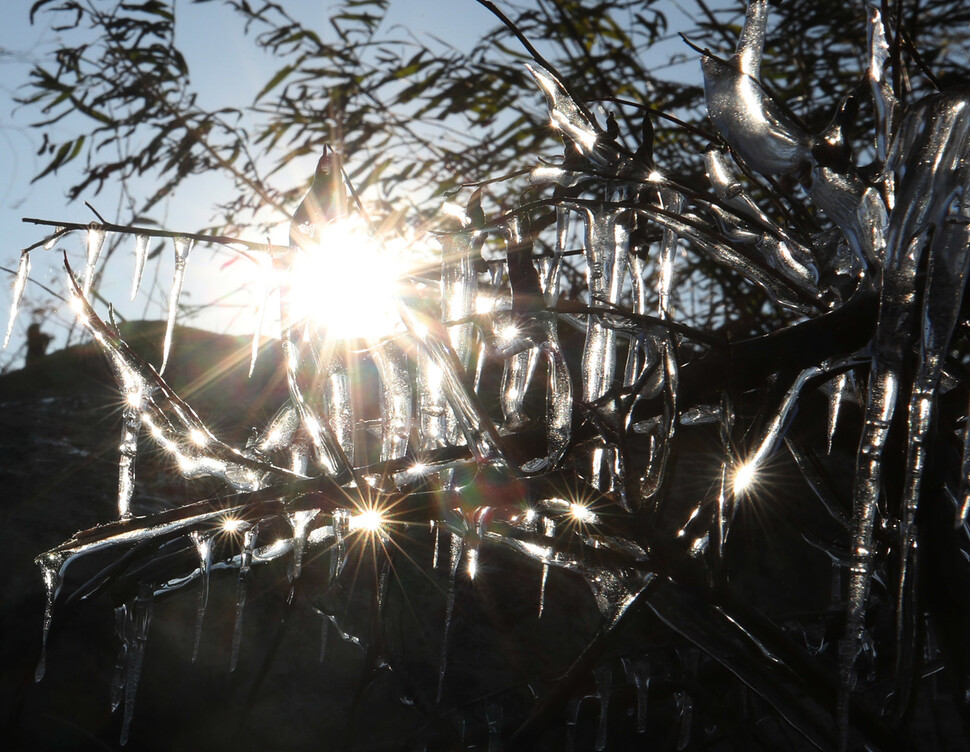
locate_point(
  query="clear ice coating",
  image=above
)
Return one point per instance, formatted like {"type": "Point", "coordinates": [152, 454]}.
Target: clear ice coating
{"type": "Point", "coordinates": [765, 137]}
{"type": "Point", "coordinates": [494, 328]}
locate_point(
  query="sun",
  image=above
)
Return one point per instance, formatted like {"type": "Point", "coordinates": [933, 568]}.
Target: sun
{"type": "Point", "coordinates": [346, 282]}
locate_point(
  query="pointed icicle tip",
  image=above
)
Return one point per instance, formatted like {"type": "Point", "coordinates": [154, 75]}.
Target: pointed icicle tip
{"type": "Point", "coordinates": [141, 255]}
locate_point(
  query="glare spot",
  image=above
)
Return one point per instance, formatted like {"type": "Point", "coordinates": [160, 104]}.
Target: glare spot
{"type": "Point", "coordinates": [367, 521]}
{"type": "Point", "coordinates": [582, 513]}
{"type": "Point", "coordinates": [472, 562]}
{"type": "Point", "coordinates": [134, 397]}
{"type": "Point", "coordinates": [655, 176]}
{"type": "Point", "coordinates": [744, 477]}
{"type": "Point", "coordinates": [452, 209]}
{"type": "Point", "coordinates": [232, 525]}
{"type": "Point", "coordinates": [198, 437]}
{"type": "Point", "coordinates": [484, 303]}
{"type": "Point", "coordinates": [508, 333]}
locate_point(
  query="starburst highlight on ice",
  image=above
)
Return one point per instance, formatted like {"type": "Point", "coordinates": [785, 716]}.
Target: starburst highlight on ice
{"type": "Point", "coordinates": [745, 476]}
{"type": "Point", "coordinates": [368, 521]}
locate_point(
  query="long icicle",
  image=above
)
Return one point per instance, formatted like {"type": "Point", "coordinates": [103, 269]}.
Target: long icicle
{"type": "Point", "coordinates": [183, 246]}
{"type": "Point", "coordinates": [20, 282]}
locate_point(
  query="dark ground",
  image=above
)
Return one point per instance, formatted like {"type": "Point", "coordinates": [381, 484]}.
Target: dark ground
{"type": "Point", "coordinates": [59, 429]}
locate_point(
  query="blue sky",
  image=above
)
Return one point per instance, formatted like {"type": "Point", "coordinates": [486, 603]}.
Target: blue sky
{"type": "Point", "coordinates": [226, 70]}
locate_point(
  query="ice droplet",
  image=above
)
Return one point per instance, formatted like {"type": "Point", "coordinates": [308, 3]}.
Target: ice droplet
{"type": "Point", "coordinates": [58, 234]}
{"type": "Point", "coordinates": [141, 255]}
{"type": "Point", "coordinates": [183, 246]}
{"type": "Point", "coordinates": [20, 282]}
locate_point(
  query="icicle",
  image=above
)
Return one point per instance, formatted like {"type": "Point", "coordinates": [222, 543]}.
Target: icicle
{"type": "Point", "coordinates": [242, 584]}
{"type": "Point", "coordinates": [50, 568]}
{"type": "Point", "coordinates": [746, 473]}
{"type": "Point", "coordinates": [471, 559]}
{"type": "Point", "coordinates": [638, 672]}
{"type": "Point", "coordinates": [326, 447]}
{"type": "Point", "coordinates": [603, 677]}
{"type": "Point", "coordinates": [119, 676]}
{"type": "Point", "coordinates": [604, 278]}
{"type": "Point", "coordinates": [456, 551]}
{"type": "Point", "coordinates": [183, 246]}
{"type": "Point", "coordinates": [298, 522]}
{"type": "Point", "coordinates": [459, 288]}
{"type": "Point", "coordinates": [20, 282]}
{"type": "Point", "coordinates": [339, 404]}
{"type": "Point", "coordinates": [685, 715]}
{"type": "Point", "coordinates": [131, 424]}
{"type": "Point", "coordinates": [266, 277]}
{"type": "Point", "coordinates": [141, 615]}
{"type": "Point", "coordinates": [141, 255]}
{"type": "Point", "coordinates": [839, 386]}
{"type": "Point", "coordinates": [549, 531]}
{"type": "Point", "coordinates": [725, 508]}
{"type": "Point", "coordinates": [672, 202]}
{"type": "Point", "coordinates": [338, 552]}
{"type": "Point", "coordinates": [884, 100]}
{"type": "Point", "coordinates": [480, 432]}
{"type": "Point", "coordinates": [572, 720]}
{"type": "Point", "coordinates": [493, 720]}
{"type": "Point", "coordinates": [396, 398]}
{"type": "Point", "coordinates": [930, 153]}
{"type": "Point", "coordinates": [436, 534]}
{"type": "Point", "coordinates": [324, 632]}
{"type": "Point", "coordinates": [516, 378]}
{"type": "Point", "coordinates": [94, 241]}
{"type": "Point", "coordinates": [203, 545]}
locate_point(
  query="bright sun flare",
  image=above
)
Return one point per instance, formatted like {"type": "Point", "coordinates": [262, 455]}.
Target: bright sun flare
{"type": "Point", "coordinates": [347, 283]}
